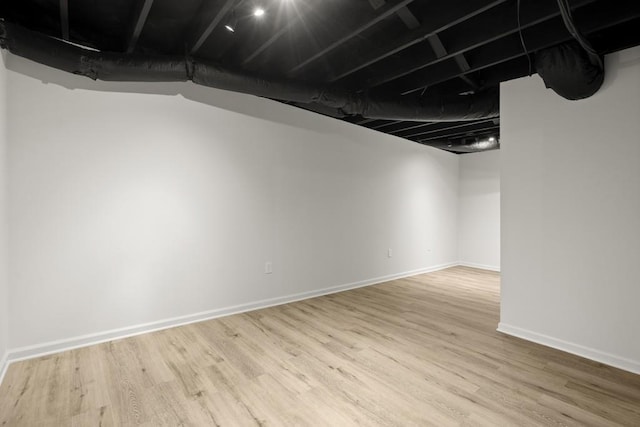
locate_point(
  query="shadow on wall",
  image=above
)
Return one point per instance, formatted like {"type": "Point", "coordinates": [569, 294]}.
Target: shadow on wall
{"type": "Point", "coordinates": [261, 108]}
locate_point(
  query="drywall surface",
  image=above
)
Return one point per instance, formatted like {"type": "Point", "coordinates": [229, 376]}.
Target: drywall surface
{"type": "Point", "coordinates": [479, 210]}
{"type": "Point", "coordinates": [4, 304]}
{"type": "Point", "coordinates": [131, 204]}
{"type": "Point", "coordinates": [571, 215]}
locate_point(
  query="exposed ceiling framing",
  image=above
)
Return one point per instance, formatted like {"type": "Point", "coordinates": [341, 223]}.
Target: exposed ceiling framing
{"type": "Point", "coordinates": [64, 19]}
{"type": "Point", "coordinates": [413, 48]}
{"type": "Point", "coordinates": [369, 21]}
{"type": "Point", "coordinates": [145, 8]}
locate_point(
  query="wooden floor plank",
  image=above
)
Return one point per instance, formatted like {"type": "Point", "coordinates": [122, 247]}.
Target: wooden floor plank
{"type": "Point", "coordinates": [416, 351]}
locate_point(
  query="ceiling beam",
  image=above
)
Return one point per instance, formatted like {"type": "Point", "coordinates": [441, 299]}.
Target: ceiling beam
{"type": "Point", "coordinates": [374, 124]}
{"type": "Point", "coordinates": [212, 24]}
{"type": "Point", "coordinates": [462, 62]}
{"type": "Point", "coordinates": [412, 126]}
{"type": "Point", "coordinates": [143, 14]}
{"type": "Point", "coordinates": [373, 19]}
{"type": "Point", "coordinates": [438, 48]}
{"type": "Point", "coordinates": [436, 45]}
{"type": "Point", "coordinates": [447, 130]}
{"type": "Point", "coordinates": [384, 125]}
{"type": "Point", "coordinates": [430, 127]}
{"type": "Point", "coordinates": [271, 40]}
{"type": "Point", "coordinates": [476, 35]}
{"type": "Point", "coordinates": [363, 121]}
{"type": "Point", "coordinates": [548, 34]}
{"type": "Point", "coordinates": [404, 14]}
{"type": "Point", "coordinates": [64, 19]}
{"type": "Point", "coordinates": [408, 18]}
{"type": "Point", "coordinates": [300, 14]}
{"type": "Point", "coordinates": [476, 132]}
{"type": "Point", "coordinates": [461, 147]}
{"type": "Point", "coordinates": [460, 11]}
{"type": "Point", "coordinates": [471, 82]}
{"type": "Point", "coordinates": [464, 66]}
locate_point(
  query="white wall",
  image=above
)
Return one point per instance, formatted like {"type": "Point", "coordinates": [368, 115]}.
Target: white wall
{"type": "Point", "coordinates": [4, 304]}
{"type": "Point", "coordinates": [571, 215]}
{"type": "Point", "coordinates": [128, 207]}
{"type": "Point", "coordinates": [479, 210]}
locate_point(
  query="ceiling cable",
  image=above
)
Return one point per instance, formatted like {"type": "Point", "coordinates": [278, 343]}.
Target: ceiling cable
{"type": "Point", "coordinates": [524, 46]}
{"type": "Point", "coordinates": [567, 17]}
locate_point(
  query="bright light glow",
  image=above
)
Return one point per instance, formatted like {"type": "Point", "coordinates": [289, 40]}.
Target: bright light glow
{"type": "Point", "coordinates": [258, 12]}
{"type": "Point", "coordinates": [492, 139]}
{"type": "Point", "coordinates": [230, 28]}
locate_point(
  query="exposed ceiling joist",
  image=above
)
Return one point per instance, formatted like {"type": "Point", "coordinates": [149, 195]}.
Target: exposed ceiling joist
{"type": "Point", "coordinates": [301, 11]}
{"type": "Point", "coordinates": [377, 16]}
{"type": "Point", "coordinates": [64, 19]}
{"type": "Point", "coordinates": [141, 19]}
{"type": "Point", "coordinates": [375, 124]}
{"type": "Point", "coordinates": [467, 9]}
{"type": "Point", "coordinates": [463, 146]}
{"type": "Point", "coordinates": [408, 18]}
{"type": "Point", "coordinates": [363, 121]}
{"type": "Point", "coordinates": [471, 82]}
{"type": "Point", "coordinates": [476, 36]}
{"type": "Point", "coordinates": [436, 45]}
{"type": "Point", "coordinates": [447, 130]}
{"type": "Point", "coordinates": [548, 34]}
{"type": "Point", "coordinates": [464, 66]}
{"type": "Point", "coordinates": [271, 40]}
{"type": "Point", "coordinates": [467, 133]}
{"type": "Point", "coordinates": [384, 125]}
{"type": "Point", "coordinates": [409, 126]}
{"type": "Point", "coordinates": [337, 58]}
{"type": "Point", "coordinates": [212, 24]}
{"type": "Point", "coordinates": [440, 51]}
{"type": "Point", "coordinates": [462, 62]}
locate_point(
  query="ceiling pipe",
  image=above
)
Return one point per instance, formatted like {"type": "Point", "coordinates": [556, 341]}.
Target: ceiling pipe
{"type": "Point", "coordinates": [569, 71]}
{"type": "Point", "coordinates": [111, 66]}
{"type": "Point", "coordinates": [574, 70]}
{"type": "Point", "coordinates": [466, 146]}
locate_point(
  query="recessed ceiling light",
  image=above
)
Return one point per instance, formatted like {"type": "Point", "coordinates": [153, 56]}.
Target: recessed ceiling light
{"type": "Point", "coordinates": [258, 12]}
{"type": "Point", "coordinates": [230, 28]}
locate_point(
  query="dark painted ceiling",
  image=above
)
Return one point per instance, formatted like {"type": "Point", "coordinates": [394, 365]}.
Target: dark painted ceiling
{"type": "Point", "coordinates": [428, 47]}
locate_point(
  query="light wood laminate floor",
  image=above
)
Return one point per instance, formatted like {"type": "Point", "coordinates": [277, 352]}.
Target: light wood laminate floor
{"type": "Point", "coordinates": [416, 351]}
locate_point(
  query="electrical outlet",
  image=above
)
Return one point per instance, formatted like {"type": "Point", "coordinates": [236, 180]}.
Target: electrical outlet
{"type": "Point", "coordinates": [390, 253]}
{"type": "Point", "coordinates": [268, 267]}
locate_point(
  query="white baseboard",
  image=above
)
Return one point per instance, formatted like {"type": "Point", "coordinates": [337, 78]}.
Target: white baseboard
{"type": "Point", "coordinates": [52, 347]}
{"type": "Point", "coordinates": [577, 349]}
{"type": "Point", "coordinates": [480, 266]}
{"type": "Point", "coordinates": [4, 365]}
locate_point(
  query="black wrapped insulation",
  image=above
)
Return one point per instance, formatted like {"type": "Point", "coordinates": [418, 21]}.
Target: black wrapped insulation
{"type": "Point", "coordinates": [568, 70]}
{"type": "Point", "coordinates": [110, 66]}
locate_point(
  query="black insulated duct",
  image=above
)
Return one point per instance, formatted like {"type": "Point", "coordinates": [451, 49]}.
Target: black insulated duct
{"type": "Point", "coordinates": [134, 67]}
{"type": "Point", "coordinates": [569, 71]}
{"type": "Point", "coordinates": [466, 146]}
{"type": "Point", "coordinates": [574, 70]}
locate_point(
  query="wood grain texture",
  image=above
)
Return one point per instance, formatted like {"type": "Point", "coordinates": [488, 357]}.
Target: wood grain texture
{"type": "Point", "coordinates": [416, 351]}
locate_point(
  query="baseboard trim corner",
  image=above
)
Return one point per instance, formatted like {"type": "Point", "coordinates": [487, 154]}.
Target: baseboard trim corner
{"type": "Point", "coordinates": [569, 347]}
{"type": "Point", "coordinates": [4, 365]}
{"type": "Point", "coordinates": [480, 266]}
{"type": "Point", "coordinates": [39, 350]}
